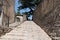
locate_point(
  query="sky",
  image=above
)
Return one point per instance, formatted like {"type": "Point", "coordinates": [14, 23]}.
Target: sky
{"type": "Point", "coordinates": [21, 11]}
{"type": "Point", "coordinates": [16, 5]}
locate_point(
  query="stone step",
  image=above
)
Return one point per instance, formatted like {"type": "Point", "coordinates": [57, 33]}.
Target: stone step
{"type": "Point", "coordinates": [10, 39]}
{"type": "Point", "coordinates": [14, 36]}
{"type": "Point", "coordinates": [57, 25]}
{"type": "Point", "coordinates": [14, 25]}
{"type": "Point", "coordinates": [56, 38]}
{"type": "Point", "coordinates": [57, 22]}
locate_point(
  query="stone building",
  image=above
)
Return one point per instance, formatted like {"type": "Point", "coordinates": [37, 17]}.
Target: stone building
{"type": "Point", "coordinates": [47, 15]}
{"type": "Point", "coordinates": [7, 12]}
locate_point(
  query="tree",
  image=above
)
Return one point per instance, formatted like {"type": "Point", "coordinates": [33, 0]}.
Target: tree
{"type": "Point", "coordinates": [31, 4]}
{"type": "Point", "coordinates": [18, 13]}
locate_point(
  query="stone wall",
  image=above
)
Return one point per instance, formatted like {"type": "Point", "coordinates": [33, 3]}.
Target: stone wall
{"type": "Point", "coordinates": [43, 9]}
{"type": "Point", "coordinates": [47, 15]}
{"type": "Point", "coordinates": [9, 13]}
{"type": "Point", "coordinates": [12, 11]}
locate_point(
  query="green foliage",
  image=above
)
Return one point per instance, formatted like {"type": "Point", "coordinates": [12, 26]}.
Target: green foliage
{"type": "Point", "coordinates": [18, 13]}
{"type": "Point", "coordinates": [28, 4]}
{"type": "Point", "coordinates": [1, 2]}
{"type": "Point", "coordinates": [31, 4]}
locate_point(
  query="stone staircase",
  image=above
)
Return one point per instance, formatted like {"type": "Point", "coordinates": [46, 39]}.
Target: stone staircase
{"type": "Point", "coordinates": [26, 31]}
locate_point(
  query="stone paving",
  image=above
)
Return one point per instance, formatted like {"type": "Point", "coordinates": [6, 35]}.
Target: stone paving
{"type": "Point", "coordinates": [26, 31]}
